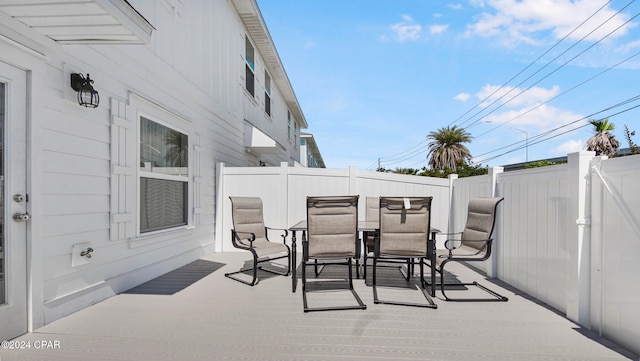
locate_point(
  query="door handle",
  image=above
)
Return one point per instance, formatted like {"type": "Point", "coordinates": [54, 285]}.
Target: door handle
{"type": "Point", "coordinates": [21, 217]}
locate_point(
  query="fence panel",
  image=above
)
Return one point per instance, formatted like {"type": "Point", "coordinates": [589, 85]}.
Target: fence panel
{"type": "Point", "coordinates": [533, 232]}
{"type": "Point", "coordinates": [615, 256]}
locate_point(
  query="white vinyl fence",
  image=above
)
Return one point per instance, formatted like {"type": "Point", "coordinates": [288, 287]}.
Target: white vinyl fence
{"type": "Point", "coordinates": [567, 235]}
{"type": "Point", "coordinates": [284, 190]}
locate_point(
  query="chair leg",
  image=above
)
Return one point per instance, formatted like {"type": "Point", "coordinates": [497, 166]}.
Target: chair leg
{"type": "Point", "coordinates": [364, 265]}
{"type": "Point", "coordinates": [253, 282]}
{"type": "Point", "coordinates": [254, 271]}
{"type": "Point", "coordinates": [496, 296]}
{"type": "Point", "coordinates": [429, 304]}
{"type": "Point", "coordinates": [360, 305]}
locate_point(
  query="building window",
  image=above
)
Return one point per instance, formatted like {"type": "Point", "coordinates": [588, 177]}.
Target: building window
{"type": "Point", "coordinates": [164, 176]}
{"type": "Point", "coordinates": [249, 57]}
{"type": "Point", "coordinates": [295, 135]}
{"type": "Point", "coordinates": [288, 125]}
{"type": "Point", "coordinates": [267, 93]}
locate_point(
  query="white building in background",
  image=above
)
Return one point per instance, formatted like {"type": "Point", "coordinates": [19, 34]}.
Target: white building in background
{"type": "Point", "coordinates": [183, 86]}
{"type": "Point", "coordinates": [310, 156]}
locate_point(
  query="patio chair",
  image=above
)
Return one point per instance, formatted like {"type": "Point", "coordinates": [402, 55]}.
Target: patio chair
{"type": "Point", "coordinates": [250, 234]}
{"type": "Point", "coordinates": [405, 224]}
{"type": "Point", "coordinates": [372, 213]}
{"type": "Point", "coordinates": [332, 227]}
{"type": "Point", "coordinates": [473, 245]}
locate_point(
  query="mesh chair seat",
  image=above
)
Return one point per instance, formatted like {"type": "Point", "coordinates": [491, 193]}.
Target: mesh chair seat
{"type": "Point", "coordinates": [462, 251]}
{"type": "Point", "coordinates": [263, 247]}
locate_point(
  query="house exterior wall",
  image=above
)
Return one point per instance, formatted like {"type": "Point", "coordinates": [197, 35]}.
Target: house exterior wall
{"type": "Point", "coordinates": [83, 163]}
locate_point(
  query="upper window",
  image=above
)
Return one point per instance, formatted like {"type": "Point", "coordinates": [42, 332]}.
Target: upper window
{"type": "Point", "coordinates": [267, 93]}
{"type": "Point", "coordinates": [288, 125]}
{"type": "Point", "coordinates": [249, 57]}
{"type": "Point", "coordinates": [164, 176]}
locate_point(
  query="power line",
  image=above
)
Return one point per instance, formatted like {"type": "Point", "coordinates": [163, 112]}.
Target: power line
{"type": "Point", "coordinates": [527, 67]}
{"type": "Point", "coordinates": [559, 95]}
{"type": "Point", "coordinates": [545, 136]}
{"type": "Point", "coordinates": [558, 68]}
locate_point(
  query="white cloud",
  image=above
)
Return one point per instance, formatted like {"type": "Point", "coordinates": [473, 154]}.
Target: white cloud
{"type": "Point", "coordinates": [570, 146]}
{"type": "Point", "coordinates": [455, 6]}
{"type": "Point", "coordinates": [406, 30]}
{"type": "Point", "coordinates": [527, 108]}
{"type": "Point", "coordinates": [522, 21]}
{"type": "Point", "coordinates": [463, 97]}
{"type": "Point", "coordinates": [544, 117]}
{"type": "Point", "coordinates": [438, 29]}
{"type": "Point", "coordinates": [515, 97]}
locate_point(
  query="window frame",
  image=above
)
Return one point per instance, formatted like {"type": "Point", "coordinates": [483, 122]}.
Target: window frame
{"type": "Point", "coordinates": [267, 93]}
{"type": "Point", "coordinates": [289, 125]}
{"type": "Point", "coordinates": [175, 123]}
{"type": "Point", "coordinates": [250, 67]}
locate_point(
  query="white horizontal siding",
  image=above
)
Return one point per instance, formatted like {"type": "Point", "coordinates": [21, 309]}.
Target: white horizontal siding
{"type": "Point", "coordinates": [194, 68]}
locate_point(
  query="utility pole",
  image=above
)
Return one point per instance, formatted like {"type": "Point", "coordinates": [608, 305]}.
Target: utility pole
{"type": "Point", "coordinates": [526, 142]}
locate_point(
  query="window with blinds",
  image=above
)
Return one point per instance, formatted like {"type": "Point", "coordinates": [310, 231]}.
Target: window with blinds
{"type": "Point", "coordinates": [164, 176]}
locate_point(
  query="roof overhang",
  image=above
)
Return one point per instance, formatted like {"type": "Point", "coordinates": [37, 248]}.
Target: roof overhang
{"type": "Point", "coordinates": [257, 29]}
{"type": "Point", "coordinates": [82, 21]}
{"type": "Point", "coordinates": [312, 146]}
{"type": "Point", "coordinates": [256, 141]}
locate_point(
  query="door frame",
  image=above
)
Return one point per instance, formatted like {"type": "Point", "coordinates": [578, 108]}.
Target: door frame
{"type": "Point", "coordinates": [14, 314]}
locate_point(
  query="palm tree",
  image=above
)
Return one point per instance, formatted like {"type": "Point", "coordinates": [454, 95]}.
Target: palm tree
{"type": "Point", "coordinates": [603, 142]}
{"type": "Point", "coordinates": [446, 148]}
{"type": "Point", "coordinates": [177, 152]}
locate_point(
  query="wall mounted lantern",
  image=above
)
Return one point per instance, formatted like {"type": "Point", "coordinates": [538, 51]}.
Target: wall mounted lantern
{"type": "Point", "coordinates": [87, 96]}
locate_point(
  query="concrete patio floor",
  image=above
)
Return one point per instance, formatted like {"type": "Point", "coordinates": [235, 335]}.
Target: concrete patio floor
{"type": "Point", "coordinates": [215, 318]}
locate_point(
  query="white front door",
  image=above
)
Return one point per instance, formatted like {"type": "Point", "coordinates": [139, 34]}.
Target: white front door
{"type": "Point", "coordinates": [13, 202]}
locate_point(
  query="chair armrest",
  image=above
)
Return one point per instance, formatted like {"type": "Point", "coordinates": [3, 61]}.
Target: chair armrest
{"type": "Point", "coordinates": [250, 239]}
{"type": "Point", "coordinates": [449, 234]}
{"type": "Point", "coordinates": [449, 245]}
{"type": "Point", "coordinates": [284, 236]}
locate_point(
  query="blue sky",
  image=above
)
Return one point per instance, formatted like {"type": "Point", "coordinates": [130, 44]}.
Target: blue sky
{"type": "Point", "coordinates": [374, 77]}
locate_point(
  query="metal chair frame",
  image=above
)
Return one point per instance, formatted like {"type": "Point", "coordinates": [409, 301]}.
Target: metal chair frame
{"type": "Point", "coordinates": [250, 237]}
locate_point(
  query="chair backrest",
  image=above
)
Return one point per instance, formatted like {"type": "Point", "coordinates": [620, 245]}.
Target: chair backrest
{"type": "Point", "coordinates": [247, 216]}
{"type": "Point", "coordinates": [372, 211]}
{"type": "Point", "coordinates": [481, 218]}
{"type": "Point", "coordinates": [404, 225]}
{"type": "Point", "coordinates": [332, 226]}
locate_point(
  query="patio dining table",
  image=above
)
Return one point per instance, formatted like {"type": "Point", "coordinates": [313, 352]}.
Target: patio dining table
{"type": "Point", "coordinates": [365, 227]}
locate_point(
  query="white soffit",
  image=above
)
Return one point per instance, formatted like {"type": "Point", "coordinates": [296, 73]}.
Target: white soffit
{"type": "Point", "coordinates": [257, 141]}
{"type": "Point", "coordinates": [81, 21]}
